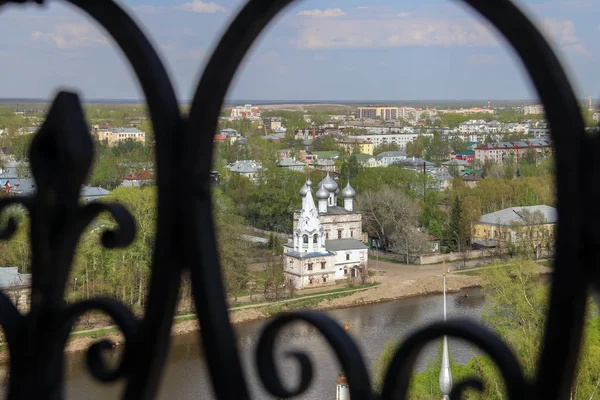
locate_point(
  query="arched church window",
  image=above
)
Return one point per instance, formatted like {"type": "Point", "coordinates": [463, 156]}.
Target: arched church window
{"type": "Point", "coordinates": [315, 238]}
{"type": "Point", "coordinates": [305, 238]}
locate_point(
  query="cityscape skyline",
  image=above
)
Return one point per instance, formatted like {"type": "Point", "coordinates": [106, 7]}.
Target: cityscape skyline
{"type": "Point", "coordinates": [317, 50]}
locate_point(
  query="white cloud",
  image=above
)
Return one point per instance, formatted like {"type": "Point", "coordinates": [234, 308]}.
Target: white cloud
{"type": "Point", "coordinates": [404, 15]}
{"type": "Point", "coordinates": [394, 32]}
{"type": "Point", "coordinates": [66, 36]}
{"type": "Point", "coordinates": [198, 6]}
{"type": "Point", "coordinates": [563, 34]}
{"type": "Point", "coordinates": [145, 9]}
{"type": "Point", "coordinates": [328, 13]}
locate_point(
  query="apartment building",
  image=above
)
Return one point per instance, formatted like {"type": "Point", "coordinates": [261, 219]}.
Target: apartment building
{"type": "Point", "coordinates": [381, 112]}
{"type": "Point", "coordinates": [498, 151]}
{"type": "Point", "coordinates": [115, 135]}
{"type": "Point", "coordinates": [245, 112]}
{"type": "Point", "coordinates": [533, 109]}
{"type": "Point", "coordinates": [400, 139]}
{"type": "Point", "coordinates": [357, 145]}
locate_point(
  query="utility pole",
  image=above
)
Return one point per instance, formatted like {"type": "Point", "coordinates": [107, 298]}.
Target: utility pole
{"type": "Point", "coordinates": [445, 374]}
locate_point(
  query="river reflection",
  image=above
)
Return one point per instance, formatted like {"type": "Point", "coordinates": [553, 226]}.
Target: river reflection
{"type": "Point", "coordinates": [186, 374]}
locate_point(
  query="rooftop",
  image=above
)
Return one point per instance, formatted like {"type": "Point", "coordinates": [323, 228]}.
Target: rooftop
{"type": "Point", "coordinates": [337, 210]}
{"type": "Point", "coordinates": [244, 166]}
{"type": "Point", "coordinates": [298, 254]}
{"type": "Point", "coordinates": [327, 154]}
{"type": "Point", "coordinates": [344, 244]}
{"type": "Point", "coordinates": [122, 130]}
{"type": "Point", "coordinates": [516, 215]}
{"type": "Point", "coordinates": [391, 154]}
{"type": "Point", "coordinates": [290, 162]}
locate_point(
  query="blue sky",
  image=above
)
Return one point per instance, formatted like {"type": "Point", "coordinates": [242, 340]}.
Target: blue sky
{"type": "Point", "coordinates": [327, 49]}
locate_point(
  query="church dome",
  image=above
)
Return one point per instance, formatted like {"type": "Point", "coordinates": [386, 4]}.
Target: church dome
{"type": "Point", "coordinates": [322, 193]}
{"type": "Point", "coordinates": [303, 190]}
{"type": "Point", "coordinates": [329, 183]}
{"type": "Point", "coordinates": [348, 192]}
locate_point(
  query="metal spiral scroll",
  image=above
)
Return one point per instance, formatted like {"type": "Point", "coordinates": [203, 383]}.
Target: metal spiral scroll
{"type": "Point", "coordinates": [61, 156]}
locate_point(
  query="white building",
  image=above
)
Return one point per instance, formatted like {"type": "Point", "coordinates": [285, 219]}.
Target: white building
{"type": "Point", "coordinates": [533, 109]}
{"type": "Point", "coordinates": [247, 168]}
{"type": "Point", "coordinates": [388, 158]}
{"type": "Point", "coordinates": [400, 139]}
{"type": "Point", "coordinates": [245, 112]}
{"type": "Point", "coordinates": [325, 245]}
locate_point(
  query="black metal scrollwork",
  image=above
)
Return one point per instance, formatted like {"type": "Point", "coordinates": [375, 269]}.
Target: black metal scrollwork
{"type": "Point", "coordinates": [61, 156]}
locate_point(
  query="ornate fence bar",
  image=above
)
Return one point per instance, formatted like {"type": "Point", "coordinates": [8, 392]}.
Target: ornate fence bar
{"type": "Point", "coordinates": [61, 157]}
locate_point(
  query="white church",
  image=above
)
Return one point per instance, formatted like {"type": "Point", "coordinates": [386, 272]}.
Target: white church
{"type": "Point", "coordinates": [326, 243]}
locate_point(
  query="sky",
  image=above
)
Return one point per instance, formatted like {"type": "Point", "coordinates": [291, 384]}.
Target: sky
{"type": "Point", "coordinates": [358, 50]}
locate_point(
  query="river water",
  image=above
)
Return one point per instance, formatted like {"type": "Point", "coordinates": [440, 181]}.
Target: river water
{"type": "Point", "coordinates": [186, 376]}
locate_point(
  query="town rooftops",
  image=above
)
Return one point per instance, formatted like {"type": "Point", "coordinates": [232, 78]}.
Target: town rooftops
{"type": "Point", "coordinates": [327, 154]}
{"type": "Point", "coordinates": [122, 130]}
{"type": "Point", "coordinates": [391, 154]}
{"type": "Point", "coordinates": [344, 244]}
{"type": "Point", "coordinates": [465, 153]}
{"type": "Point", "coordinates": [362, 157]}
{"type": "Point", "coordinates": [93, 192]}
{"type": "Point", "coordinates": [244, 166]}
{"type": "Point", "coordinates": [290, 162]}
{"type": "Point", "coordinates": [337, 210]}
{"type": "Point", "coordinates": [442, 176]}
{"type": "Point", "coordinates": [526, 143]}
{"type": "Point", "coordinates": [138, 176]}
{"type": "Point", "coordinates": [456, 162]}
{"type": "Point", "coordinates": [512, 215]}
{"type": "Point", "coordinates": [297, 254]}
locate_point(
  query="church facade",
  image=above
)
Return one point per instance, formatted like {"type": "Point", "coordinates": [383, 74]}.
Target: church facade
{"type": "Point", "coordinates": [326, 244]}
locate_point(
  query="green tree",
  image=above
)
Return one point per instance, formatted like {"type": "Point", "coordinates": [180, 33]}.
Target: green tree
{"type": "Point", "coordinates": [385, 147]}
{"type": "Point", "coordinates": [459, 231]}
{"type": "Point", "coordinates": [326, 143]}
{"type": "Point", "coordinates": [350, 168]}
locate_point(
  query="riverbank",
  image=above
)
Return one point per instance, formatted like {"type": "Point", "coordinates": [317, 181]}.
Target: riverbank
{"type": "Point", "coordinates": [394, 283]}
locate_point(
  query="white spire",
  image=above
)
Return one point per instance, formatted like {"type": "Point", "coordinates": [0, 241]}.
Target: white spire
{"type": "Point", "coordinates": [309, 234]}
{"type": "Point", "coordinates": [445, 374]}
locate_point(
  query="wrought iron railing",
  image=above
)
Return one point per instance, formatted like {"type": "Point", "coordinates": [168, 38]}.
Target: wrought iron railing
{"type": "Point", "coordinates": [61, 156]}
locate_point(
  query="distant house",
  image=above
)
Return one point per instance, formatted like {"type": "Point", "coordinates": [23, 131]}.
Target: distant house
{"type": "Point", "coordinates": [291, 164]}
{"type": "Point", "coordinates": [510, 225]}
{"type": "Point", "coordinates": [325, 160]}
{"type": "Point", "coordinates": [227, 135]}
{"type": "Point", "coordinates": [356, 145]}
{"type": "Point", "coordinates": [92, 193]}
{"type": "Point", "coordinates": [284, 153]}
{"type": "Point", "coordinates": [388, 158]}
{"type": "Point", "coordinates": [443, 179]}
{"type": "Point", "coordinates": [247, 168]}
{"type": "Point", "coordinates": [138, 179]}
{"type": "Point", "coordinates": [416, 163]}
{"type": "Point", "coordinates": [472, 179]}
{"type": "Point", "coordinates": [275, 137]}
{"type": "Point", "coordinates": [228, 131]}
{"type": "Point", "coordinates": [115, 135]}
{"type": "Point", "coordinates": [459, 165]}
{"type": "Point", "coordinates": [272, 123]}
{"type": "Point", "coordinates": [465, 155]}
{"type": "Point", "coordinates": [366, 160]}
